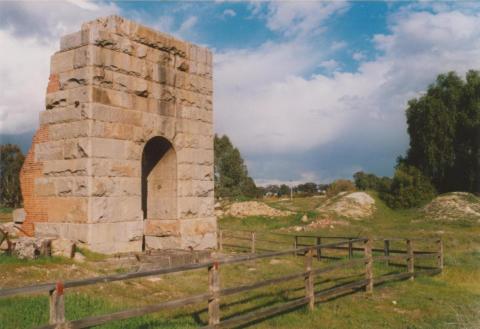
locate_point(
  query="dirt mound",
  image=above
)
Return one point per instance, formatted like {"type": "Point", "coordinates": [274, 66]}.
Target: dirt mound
{"type": "Point", "coordinates": [254, 208]}
{"type": "Point", "coordinates": [453, 206]}
{"type": "Point", "coordinates": [356, 205]}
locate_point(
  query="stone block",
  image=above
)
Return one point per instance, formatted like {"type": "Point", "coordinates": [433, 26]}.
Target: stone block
{"type": "Point", "coordinates": [108, 148]}
{"type": "Point", "coordinates": [195, 156]}
{"type": "Point", "coordinates": [116, 209]}
{"type": "Point", "coordinates": [73, 167]}
{"type": "Point", "coordinates": [67, 209]}
{"type": "Point", "coordinates": [77, 148]}
{"type": "Point", "coordinates": [63, 248]}
{"type": "Point", "coordinates": [72, 231]}
{"type": "Point", "coordinates": [190, 171]}
{"type": "Point", "coordinates": [116, 186]}
{"type": "Point", "coordinates": [70, 130]}
{"type": "Point", "coordinates": [18, 215]}
{"type": "Point", "coordinates": [52, 150]}
{"type": "Point", "coordinates": [116, 237]}
{"type": "Point", "coordinates": [195, 188]}
{"type": "Point", "coordinates": [166, 242]}
{"type": "Point", "coordinates": [162, 228]}
{"type": "Point", "coordinates": [62, 115]}
{"type": "Point", "coordinates": [115, 168]}
{"type": "Point", "coordinates": [195, 207]}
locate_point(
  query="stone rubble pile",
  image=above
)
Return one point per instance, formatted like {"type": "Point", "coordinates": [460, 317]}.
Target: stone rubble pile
{"type": "Point", "coordinates": [254, 208]}
{"type": "Point", "coordinates": [356, 205]}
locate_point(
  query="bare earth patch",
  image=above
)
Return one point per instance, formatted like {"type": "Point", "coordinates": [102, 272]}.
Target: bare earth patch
{"type": "Point", "coordinates": [254, 208]}
{"type": "Point", "coordinates": [356, 205]}
{"type": "Point", "coordinates": [453, 206]}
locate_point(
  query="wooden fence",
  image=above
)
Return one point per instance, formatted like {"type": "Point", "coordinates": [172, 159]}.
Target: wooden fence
{"type": "Point", "coordinates": [215, 292]}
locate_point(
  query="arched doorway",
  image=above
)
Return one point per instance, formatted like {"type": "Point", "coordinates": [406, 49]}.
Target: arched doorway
{"type": "Point", "coordinates": [159, 180]}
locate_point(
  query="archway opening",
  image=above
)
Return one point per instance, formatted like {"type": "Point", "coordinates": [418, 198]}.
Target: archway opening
{"type": "Point", "coordinates": [159, 180]}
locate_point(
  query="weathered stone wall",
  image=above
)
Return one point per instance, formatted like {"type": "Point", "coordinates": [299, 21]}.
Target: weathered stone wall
{"type": "Point", "coordinates": [114, 85]}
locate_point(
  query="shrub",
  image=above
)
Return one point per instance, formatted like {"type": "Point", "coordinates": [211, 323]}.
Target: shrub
{"type": "Point", "coordinates": [409, 188]}
{"type": "Point", "coordinates": [340, 185]}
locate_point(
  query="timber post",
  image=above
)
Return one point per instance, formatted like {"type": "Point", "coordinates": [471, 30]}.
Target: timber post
{"type": "Point", "coordinates": [386, 250]}
{"type": "Point", "coordinates": [252, 247]}
{"type": "Point", "coordinates": [350, 248]}
{"type": "Point", "coordinates": [309, 280]}
{"type": "Point", "coordinates": [440, 254]}
{"type": "Point", "coordinates": [57, 304]}
{"type": "Point", "coordinates": [214, 289]}
{"type": "Point", "coordinates": [410, 259]}
{"type": "Point", "coordinates": [367, 248]}
{"type": "Point", "coordinates": [319, 249]}
{"type": "Point", "coordinates": [220, 240]}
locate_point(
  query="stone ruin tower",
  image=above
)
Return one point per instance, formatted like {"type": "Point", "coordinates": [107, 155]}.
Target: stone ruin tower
{"type": "Point", "coordinates": [123, 158]}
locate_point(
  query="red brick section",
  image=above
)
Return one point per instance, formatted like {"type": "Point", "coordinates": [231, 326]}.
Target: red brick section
{"type": "Point", "coordinates": [53, 84]}
{"type": "Point", "coordinates": [35, 207]}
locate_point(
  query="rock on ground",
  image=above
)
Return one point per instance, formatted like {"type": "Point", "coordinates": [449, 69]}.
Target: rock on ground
{"type": "Point", "coordinates": [453, 206]}
{"type": "Point", "coordinates": [356, 205]}
{"type": "Point", "coordinates": [254, 208]}
{"type": "Point", "coordinates": [63, 247]}
{"type": "Point", "coordinates": [31, 248]}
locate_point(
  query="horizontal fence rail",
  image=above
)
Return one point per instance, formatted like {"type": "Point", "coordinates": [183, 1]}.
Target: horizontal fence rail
{"type": "Point", "coordinates": [215, 292]}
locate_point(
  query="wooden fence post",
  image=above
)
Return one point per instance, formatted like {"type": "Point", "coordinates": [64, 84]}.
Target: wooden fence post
{"type": "Point", "coordinates": [309, 282]}
{"type": "Point", "coordinates": [213, 288]}
{"type": "Point", "coordinates": [319, 249]}
{"type": "Point", "coordinates": [220, 240]}
{"type": "Point", "coordinates": [367, 248]}
{"type": "Point", "coordinates": [350, 248]}
{"type": "Point", "coordinates": [440, 254]}
{"type": "Point", "coordinates": [252, 247]}
{"type": "Point", "coordinates": [410, 259]}
{"type": "Point", "coordinates": [57, 304]}
{"type": "Point", "coordinates": [295, 243]}
{"type": "Point", "coordinates": [386, 250]}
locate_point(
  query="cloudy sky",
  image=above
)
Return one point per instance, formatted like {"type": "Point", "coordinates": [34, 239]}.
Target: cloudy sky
{"type": "Point", "coordinates": [308, 91]}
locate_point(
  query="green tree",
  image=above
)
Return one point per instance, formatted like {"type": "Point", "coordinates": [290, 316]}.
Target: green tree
{"type": "Point", "coordinates": [231, 175]}
{"type": "Point", "coordinates": [340, 185]}
{"type": "Point", "coordinates": [364, 181]}
{"type": "Point", "coordinates": [284, 190]}
{"type": "Point", "coordinates": [11, 161]}
{"type": "Point", "coordinates": [444, 130]}
{"type": "Point", "coordinates": [409, 188]}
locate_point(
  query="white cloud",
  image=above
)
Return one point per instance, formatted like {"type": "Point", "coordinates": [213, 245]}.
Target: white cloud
{"type": "Point", "coordinates": [330, 65]}
{"type": "Point", "coordinates": [229, 13]}
{"type": "Point", "coordinates": [301, 18]}
{"type": "Point", "coordinates": [358, 56]}
{"type": "Point", "coordinates": [187, 25]}
{"type": "Point", "coordinates": [29, 35]}
{"type": "Point", "coordinates": [267, 106]}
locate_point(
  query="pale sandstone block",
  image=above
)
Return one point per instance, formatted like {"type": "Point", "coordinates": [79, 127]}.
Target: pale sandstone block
{"type": "Point", "coordinates": [115, 209]}
{"type": "Point", "coordinates": [77, 148]}
{"type": "Point", "coordinates": [198, 172]}
{"type": "Point", "coordinates": [195, 207]}
{"type": "Point", "coordinates": [168, 242]}
{"type": "Point", "coordinates": [195, 188]}
{"type": "Point", "coordinates": [62, 115]}
{"type": "Point", "coordinates": [62, 186]}
{"type": "Point", "coordinates": [63, 98]}
{"type": "Point", "coordinates": [61, 61]}
{"type": "Point", "coordinates": [115, 168]}
{"type": "Point", "coordinates": [72, 231]}
{"type": "Point", "coordinates": [194, 127]}
{"type": "Point", "coordinates": [109, 148]}
{"type": "Point", "coordinates": [112, 238]}
{"type": "Point", "coordinates": [195, 156]}
{"type": "Point", "coordinates": [162, 228]}
{"type": "Point", "coordinates": [52, 150]}
{"type": "Point", "coordinates": [44, 187]}
{"type": "Point", "coordinates": [116, 186]}
{"type": "Point", "coordinates": [112, 114]}
{"type": "Point", "coordinates": [73, 167]}
{"type": "Point", "coordinates": [200, 242]}
{"type": "Point", "coordinates": [67, 209]}
{"type": "Point", "coordinates": [74, 129]}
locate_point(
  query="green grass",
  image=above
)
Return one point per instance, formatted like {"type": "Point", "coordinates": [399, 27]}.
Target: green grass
{"type": "Point", "coordinates": [448, 300]}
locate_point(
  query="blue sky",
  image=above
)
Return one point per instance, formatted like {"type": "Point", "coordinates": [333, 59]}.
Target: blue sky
{"type": "Point", "coordinates": [308, 91]}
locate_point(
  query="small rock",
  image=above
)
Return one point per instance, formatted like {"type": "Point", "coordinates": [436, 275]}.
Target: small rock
{"type": "Point", "coordinates": [31, 248]}
{"type": "Point", "coordinates": [394, 302]}
{"type": "Point", "coordinates": [78, 257]}
{"type": "Point", "coordinates": [304, 218]}
{"type": "Point", "coordinates": [63, 247]}
{"type": "Point", "coordinates": [19, 215]}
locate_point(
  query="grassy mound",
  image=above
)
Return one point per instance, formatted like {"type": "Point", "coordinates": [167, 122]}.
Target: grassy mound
{"type": "Point", "coordinates": [453, 206]}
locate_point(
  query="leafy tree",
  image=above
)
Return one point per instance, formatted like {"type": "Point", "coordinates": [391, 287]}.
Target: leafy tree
{"type": "Point", "coordinates": [409, 188]}
{"type": "Point", "coordinates": [231, 175]}
{"type": "Point", "coordinates": [364, 181]}
{"type": "Point", "coordinates": [340, 185]}
{"type": "Point", "coordinates": [11, 161]}
{"type": "Point", "coordinates": [307, 188]}
{"type": "Point", "coordinates": [444, 129]}
{"type": "Point", "coordinates": [284, 190]}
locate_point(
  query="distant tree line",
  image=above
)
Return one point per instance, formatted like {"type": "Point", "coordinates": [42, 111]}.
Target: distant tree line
{"type": "Point", "coordinates": [11, 161]}
{"type": "Point", "coordinates": [444, 152]}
